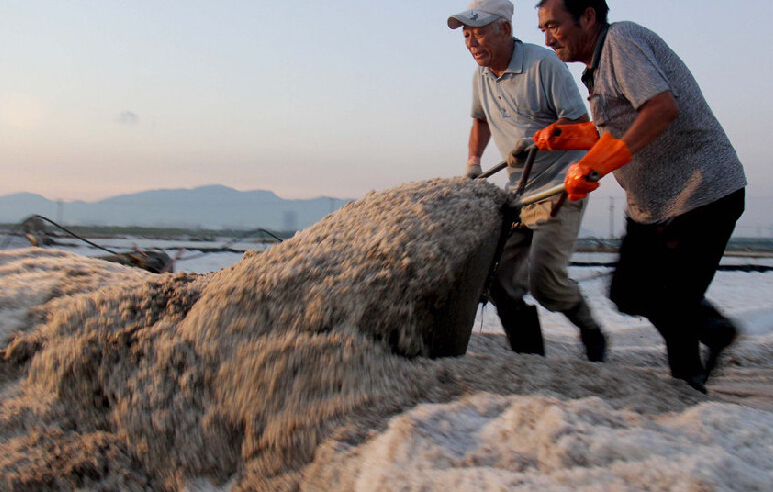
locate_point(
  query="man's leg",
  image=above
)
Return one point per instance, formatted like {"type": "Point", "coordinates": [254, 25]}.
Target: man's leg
{"type": "Point", "coordinates": [640, 286]}
{"type": "Point", "coordinates": [591, 335]}
{"type": "Point", "coordinates": [704, 233]}
{"type": "Point", "coordinates": [520, 321]}
{"type": "Point", "coordinates": [550, 284]}
{"type": "Point", "coordinates": [663, 274]}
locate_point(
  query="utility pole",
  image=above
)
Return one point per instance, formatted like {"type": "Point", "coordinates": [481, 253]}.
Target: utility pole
{"type": "Point", "coordinates": [59, 210]}
{"type": "Point", "coordinates": [611, 217]}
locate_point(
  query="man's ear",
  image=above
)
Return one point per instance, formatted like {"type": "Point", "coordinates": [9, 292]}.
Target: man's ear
{"type": "Point", "coordinates": [588, 18]}
{"type": "Point", "coordinates": [507, 28]}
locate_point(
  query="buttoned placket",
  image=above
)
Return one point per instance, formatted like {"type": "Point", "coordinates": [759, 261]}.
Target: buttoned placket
{"type": "Point", "coordinates": [502, 106]}
{"type": "Point", "coordinates": [498, 80]}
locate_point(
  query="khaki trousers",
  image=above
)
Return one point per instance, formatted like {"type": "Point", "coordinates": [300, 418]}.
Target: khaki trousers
{"type": "Point", "coordinates": [535, 259]}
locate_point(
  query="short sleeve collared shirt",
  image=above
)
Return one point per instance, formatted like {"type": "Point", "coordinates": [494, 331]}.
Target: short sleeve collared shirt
{"type": "Point", "coordinates": [693, 162]}
{"type": "Point", "coordinates": [536, 90]}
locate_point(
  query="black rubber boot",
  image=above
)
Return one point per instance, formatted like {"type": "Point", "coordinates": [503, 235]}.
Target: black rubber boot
{"type": "Point", "coordinates": [522, 327]}
{"type": "Point", "coordinates": [520, 322]}
{"type": "Point", "coordinates": [590, 332]}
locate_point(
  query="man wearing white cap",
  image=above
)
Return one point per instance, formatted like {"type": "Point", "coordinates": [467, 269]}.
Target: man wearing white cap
{"type": "Point", "coordinates": [520, 88]}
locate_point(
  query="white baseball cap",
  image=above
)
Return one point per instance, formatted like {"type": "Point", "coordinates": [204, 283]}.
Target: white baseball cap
{"type": "Point", "coordinates": [482, 13]}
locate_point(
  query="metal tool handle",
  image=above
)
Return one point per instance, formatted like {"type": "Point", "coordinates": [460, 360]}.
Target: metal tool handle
{"type": "Point", "coordinates": [526, 171]}
{"type": "Point", "coordinates": [532, 151]}
{"type": "Point", "coordinates": [493, 170]}
{"type": "Point", "coordinates": [536, 197]}
{"type": "Point", "coordinates": [593, 176]}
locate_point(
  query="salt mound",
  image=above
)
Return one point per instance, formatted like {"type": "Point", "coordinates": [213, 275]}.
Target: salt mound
{"type": "Point", "coordinates": [391, 265]}
{"type": "Point", "coordinates": [280, 373]}
{"type": "Point", "coordinates": [32, 277]}
{"type": "Point", "coordinates": [247, 370]}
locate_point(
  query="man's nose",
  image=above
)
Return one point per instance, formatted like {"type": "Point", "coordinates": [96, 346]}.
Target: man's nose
{"type": "Point", "coordinates": [549, 39]}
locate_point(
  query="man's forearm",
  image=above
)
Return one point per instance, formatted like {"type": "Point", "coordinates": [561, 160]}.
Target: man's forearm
{"type": "Point", "coordinates": [654, 117]}
{"type": "Point", "coordinates": [479, 138]}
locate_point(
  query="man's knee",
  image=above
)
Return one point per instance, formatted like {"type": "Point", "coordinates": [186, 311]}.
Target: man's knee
{"type": "Point", "coordinates": [555, 293]}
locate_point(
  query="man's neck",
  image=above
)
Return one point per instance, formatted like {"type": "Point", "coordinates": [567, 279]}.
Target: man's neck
{"type": "Point", "coordinates": [502, 67]}
{"type": "Point", "coordinates": [588, 75]}
{"type": "Point", "coordinates": [591, 48]}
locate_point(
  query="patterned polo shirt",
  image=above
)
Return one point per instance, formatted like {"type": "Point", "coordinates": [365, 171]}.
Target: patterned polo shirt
{"type": "Point", "coordinates": [693, 162]}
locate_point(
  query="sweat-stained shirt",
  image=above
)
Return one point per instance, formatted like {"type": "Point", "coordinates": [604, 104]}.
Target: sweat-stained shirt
{"type": "Point", "coordinates": [535, 90]}
{"type": "Point", "coordinates": [693, 162]}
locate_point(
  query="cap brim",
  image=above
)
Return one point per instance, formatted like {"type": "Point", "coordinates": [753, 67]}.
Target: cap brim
{"type": "Point", "coordinates": [471, 18]}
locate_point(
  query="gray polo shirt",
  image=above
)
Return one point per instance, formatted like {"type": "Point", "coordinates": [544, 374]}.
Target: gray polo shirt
{"type": "Point", "coordinates": [693, 162]}
{"type": "Point", "coordinates": [535, 90]}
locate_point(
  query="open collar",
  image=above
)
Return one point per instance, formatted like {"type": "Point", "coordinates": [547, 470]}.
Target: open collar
{"type": "Point", "coordinates": [589, 73]}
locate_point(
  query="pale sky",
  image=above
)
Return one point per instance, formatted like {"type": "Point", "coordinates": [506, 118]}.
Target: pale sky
{"type": "Point", "coordinates": [302, 98]}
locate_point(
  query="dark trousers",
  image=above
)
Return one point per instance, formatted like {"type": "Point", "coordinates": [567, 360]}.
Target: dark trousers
{"type": "Point", "coordinates": [665, 269]}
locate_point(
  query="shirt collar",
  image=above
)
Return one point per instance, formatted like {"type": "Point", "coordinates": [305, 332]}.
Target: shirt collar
{"type": "Point", "coordinates": [589, 73]}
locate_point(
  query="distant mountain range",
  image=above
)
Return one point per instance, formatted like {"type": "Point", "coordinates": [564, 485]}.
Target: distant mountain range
{"type": "Point", "coordinates": [210, 207]}
{"type": "Point", "coordinates": [221, 207]}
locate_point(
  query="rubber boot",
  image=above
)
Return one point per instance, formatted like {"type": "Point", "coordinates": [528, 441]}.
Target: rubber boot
{"type": "Point", "coordinates": [522, 327]}
{"type": "Point", "coordinates": [520, 322]}
{"type": "Point", "coordinates": [716, 332]}
{"type": "Point", "coordinates": [590, 332]}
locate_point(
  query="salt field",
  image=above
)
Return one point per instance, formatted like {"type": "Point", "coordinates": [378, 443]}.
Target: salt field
{"type": "Point", "coordinates": [299, 368]}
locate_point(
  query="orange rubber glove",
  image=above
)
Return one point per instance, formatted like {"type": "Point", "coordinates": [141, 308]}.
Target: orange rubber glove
{"type": "Point", "coordinates": [581, 136]}
{"type": "Point", "coordinates": [608, 154]}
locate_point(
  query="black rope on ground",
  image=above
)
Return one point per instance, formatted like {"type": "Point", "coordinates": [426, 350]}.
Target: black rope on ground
{"type": "Point", "coordinates": [41, 217]}
{"type": "Point", "coordinates": [226, 246]}
{"type": "Point", "coordinates": [76, 236]}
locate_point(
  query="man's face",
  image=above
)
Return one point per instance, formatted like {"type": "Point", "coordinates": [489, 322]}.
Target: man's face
{"type": "Point", "coordinates": [572, 40]}
{"type": "Point", "coordinates": [489, 45]}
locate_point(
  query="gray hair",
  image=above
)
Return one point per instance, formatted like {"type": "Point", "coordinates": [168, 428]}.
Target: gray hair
{"type": "Point", "coordinates": [500, 22]}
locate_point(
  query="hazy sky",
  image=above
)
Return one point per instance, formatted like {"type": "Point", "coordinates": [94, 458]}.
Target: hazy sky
{"type": "Point", "coordinates": [303, 98]}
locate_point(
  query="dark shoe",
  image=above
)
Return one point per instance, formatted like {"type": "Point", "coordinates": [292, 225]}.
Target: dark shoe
{"type": "Point", "coordinates": [595, 344]}
{"type": "Point", "coordinates": [685, 362]}
{"type": "Point", "coordinates": [688, 369]}
{"type": "Point", "coordinates": [590, 332]}
{"type": "Point", "coordinates": [697, 382]}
